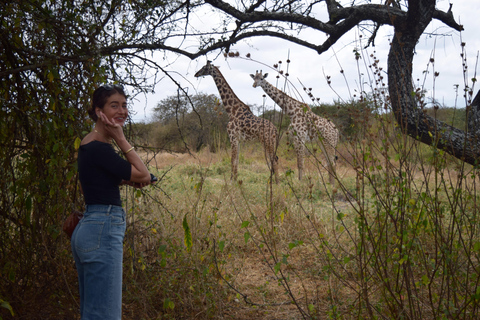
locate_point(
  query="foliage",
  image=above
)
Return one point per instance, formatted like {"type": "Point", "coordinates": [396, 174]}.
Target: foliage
{"type": "Point", "coordinates": [452, 116]}
{"type": "Point", "coordinates": [411, 230]}
{"type": "Point", "coordinates": [42, 117]}
{"type": "Point", "coordinates": [190, 123]}
{"type": "Point", "coordinates": [345, 115]}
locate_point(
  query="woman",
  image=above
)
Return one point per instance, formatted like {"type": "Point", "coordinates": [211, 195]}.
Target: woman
{"type": "Point", "coordinates": [97, 242]}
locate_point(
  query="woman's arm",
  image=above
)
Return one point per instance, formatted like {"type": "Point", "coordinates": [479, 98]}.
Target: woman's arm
{"type": "Point", "coordinates": [140, 172]}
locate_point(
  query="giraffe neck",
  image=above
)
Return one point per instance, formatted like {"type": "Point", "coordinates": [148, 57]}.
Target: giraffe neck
{"type": "Point", "coordinates": [287, 103]}
{"type": "Point", "coordinates": [230, 100]}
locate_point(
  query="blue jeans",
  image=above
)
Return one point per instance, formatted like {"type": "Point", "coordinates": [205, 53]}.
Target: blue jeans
{"type": "Point", "coordinates": [97, 246]}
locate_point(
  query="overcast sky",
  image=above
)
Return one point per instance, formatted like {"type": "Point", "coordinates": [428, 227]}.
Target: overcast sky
{"type": "Point", "coordinates": [307, 68]}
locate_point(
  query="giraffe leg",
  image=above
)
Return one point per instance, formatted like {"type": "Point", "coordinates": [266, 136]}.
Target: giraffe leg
{"type": "Point", "coordinates": [333, 157]}
{"type": "Point", "coordinates": [330, 156]}
{"type": "Point", "coordinates": [234, 160]}
{"type": "Point", "coordinates": [299, 150]}
{"type": "Point", "coordinates": [332, 166]}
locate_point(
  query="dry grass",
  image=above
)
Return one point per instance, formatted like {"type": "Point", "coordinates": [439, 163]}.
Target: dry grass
{"type": "Point", "coordinates": [285, 251]}
{"type": "Point", "coordinates": [248, 286]}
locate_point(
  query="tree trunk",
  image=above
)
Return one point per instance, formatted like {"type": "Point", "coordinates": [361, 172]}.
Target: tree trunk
{"type": "Point", "coordinates": [405, 102]}
{"type": "Point", "coordinates": [473, 114]}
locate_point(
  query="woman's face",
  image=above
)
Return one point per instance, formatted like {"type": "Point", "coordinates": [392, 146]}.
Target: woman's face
{"type": "Point", "coordinates": [116, 108]}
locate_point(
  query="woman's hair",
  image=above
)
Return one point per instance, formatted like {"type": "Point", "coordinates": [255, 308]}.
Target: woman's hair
{"type": "Point", "coordinates": [100, 97]}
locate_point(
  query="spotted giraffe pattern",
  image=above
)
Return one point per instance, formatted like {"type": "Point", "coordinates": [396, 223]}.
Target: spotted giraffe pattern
{"type": "Point", "coordinates": [243, 125]}
{"type": "Point", "coordinates": [304, 125]}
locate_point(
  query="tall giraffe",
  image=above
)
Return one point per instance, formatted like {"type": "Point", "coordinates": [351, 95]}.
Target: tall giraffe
{"type": "Point", "coordinates": [304, 124]}
{"type": "Point", "coordinates": [243, 124]}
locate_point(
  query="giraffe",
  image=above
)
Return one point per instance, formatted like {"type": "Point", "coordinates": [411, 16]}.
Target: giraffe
{"type": "Point", "coordinates": [304, 125]}
{"type": "Point", "coordinates": [243, 124]}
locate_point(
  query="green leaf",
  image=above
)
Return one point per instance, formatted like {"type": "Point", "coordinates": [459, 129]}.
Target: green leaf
{"type": "Point", "coordinates": [7, 306]}
{"type": "Point", "coordinates": [77, 142]}
{"type": "Point", "coordinates": [168, 304]}
{"type": "Point", "coordinates": [294, 244]}
{"type": "Point", "coordinates": [476, 246]}
{"type": "Point", "coordinates": [221, 245]}
{"type": "Point", "coordinates": [245, 224]}
{"type": "Point", "coordinates": [162, 248]}
{"type": "Point", "coordinates": [276, 268]}
{"type": "Point", "coordinates": [188, 236]}
{"type": "Point", "coordinates": [246, 236]}
{"type": "Point", "coordinates": [51, 77]}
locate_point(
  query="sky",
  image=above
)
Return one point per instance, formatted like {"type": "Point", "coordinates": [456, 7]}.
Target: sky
{"type": "Point", "coordinates": [310, 70]}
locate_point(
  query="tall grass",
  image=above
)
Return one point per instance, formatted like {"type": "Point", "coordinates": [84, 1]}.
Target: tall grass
{"type": "Point", "coordinates": [397, 238]}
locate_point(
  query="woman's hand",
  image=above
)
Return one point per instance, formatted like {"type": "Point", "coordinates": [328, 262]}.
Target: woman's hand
{"type": "Point", "coordinates": [112, 129]}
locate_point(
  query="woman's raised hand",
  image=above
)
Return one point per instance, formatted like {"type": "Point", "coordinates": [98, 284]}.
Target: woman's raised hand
{"type": "Point", "coordinates": [113, 129]}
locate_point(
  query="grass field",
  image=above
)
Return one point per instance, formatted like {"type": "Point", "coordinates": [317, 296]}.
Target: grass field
{"type": "Point", "coordinates": [395, 238]}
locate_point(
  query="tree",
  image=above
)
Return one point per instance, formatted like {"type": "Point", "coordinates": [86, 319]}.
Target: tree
{"type": "Point", "coordinates": [42, 115]}
{"type": "Point", "coordinates": [195, 121]}
{"type": "Point", "coordinates": [409, 21]}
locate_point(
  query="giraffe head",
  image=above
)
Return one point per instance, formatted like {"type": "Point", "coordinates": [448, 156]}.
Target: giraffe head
{"type": "Point", "coordinates": [207, 70]}
{"type": "Point", "coordinates": [258, 78]}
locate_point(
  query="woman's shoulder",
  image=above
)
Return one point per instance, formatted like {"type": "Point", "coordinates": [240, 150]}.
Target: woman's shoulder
{"type": "Point", "coordinates": [90, 140]}
{"type": "Point", "coordinates": [87, 139]}
{"type": "Point", "coordinates": [91, 144]}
